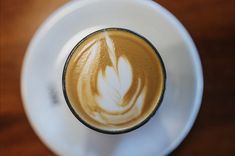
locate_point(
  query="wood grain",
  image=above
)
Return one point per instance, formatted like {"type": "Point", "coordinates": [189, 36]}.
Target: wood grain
{"type": "Point", "coordinates": [211, 24]}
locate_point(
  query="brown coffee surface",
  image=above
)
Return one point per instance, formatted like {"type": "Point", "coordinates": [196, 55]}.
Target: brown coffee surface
{"type": "Point", "coordinates": [114, 79]}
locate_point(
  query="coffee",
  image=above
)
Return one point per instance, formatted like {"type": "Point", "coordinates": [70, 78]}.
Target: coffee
{"type": "Point", "coordinates": [114, 80]}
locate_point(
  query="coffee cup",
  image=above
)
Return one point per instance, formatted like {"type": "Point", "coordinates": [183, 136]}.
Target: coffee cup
{"type": "Point", "coordinates": [114, 80]}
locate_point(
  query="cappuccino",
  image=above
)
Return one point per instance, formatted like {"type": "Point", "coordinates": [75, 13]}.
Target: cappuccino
{"type": "Point", "coordinates": [114, 80]}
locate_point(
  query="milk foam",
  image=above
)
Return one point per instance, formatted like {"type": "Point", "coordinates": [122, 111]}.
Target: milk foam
{"type": "Point", "coordinates": [113, 85]}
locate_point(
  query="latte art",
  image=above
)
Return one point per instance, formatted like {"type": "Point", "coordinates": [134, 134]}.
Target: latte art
{"type": "Point", "coordinates": [104, 94]}
{"type": "Point", "coordinates": [114, 80]}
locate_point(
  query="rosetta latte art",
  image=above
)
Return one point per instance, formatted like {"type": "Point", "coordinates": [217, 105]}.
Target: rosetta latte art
{"type": "Point", "coordinates": [110, 103]}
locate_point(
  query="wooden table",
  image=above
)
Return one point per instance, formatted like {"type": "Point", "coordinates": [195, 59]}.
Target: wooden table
{"type": "Point", "coordinates": [212, 26]}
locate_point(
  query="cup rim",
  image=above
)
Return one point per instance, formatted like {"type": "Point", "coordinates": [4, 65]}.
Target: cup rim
{"type": "Point", "coordinates": [125, 130]}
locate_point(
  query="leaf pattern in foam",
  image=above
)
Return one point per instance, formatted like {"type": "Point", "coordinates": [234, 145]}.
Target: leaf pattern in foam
{"type": "Point", "coordinates": [125, 75]}
{"type": "Point", "coordinates": [113, 86]}
{"type": "Point", "coordinates": [106, 98]}
{"type": "Point", "coordinates": [111, 50]}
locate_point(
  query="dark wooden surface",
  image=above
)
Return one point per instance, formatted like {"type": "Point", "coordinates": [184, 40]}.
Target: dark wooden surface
{"type": "Point", "coordinates": [212, 26]}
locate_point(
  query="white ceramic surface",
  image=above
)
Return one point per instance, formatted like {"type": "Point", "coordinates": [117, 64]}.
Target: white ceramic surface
{"type": "Point", "coordinates": [41, 84]}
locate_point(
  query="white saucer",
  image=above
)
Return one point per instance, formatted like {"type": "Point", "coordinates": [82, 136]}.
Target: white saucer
{"type": "Point", "coordinates": [41, 84]}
